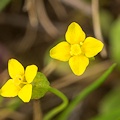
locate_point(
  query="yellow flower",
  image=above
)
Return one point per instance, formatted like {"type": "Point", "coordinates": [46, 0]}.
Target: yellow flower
{"type": "Point", "coordinates": [77, 49]}
{"type": "Point", "coordinates": [20, 82]}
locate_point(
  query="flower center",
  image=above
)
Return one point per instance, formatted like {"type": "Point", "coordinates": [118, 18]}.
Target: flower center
{"type": "Point", "coordinates": [18, 80]}
{"type": "Point", "coordinates": [75, 49]}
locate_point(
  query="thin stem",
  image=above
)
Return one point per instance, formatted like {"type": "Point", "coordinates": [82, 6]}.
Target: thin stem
{"type": "Point", "coordinates": [36, 110]}
{"type": "Point", "coordinates": [65, 114]}
{"type": "Point", "coordinates": [59, 108]}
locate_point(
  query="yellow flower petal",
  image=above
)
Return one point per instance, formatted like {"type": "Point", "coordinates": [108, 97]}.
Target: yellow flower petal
{"type": "Point", "coordinates": [91, 46]}
{"type": "Point", "coordinates": [74, 34]}
{"type": "Point", "coordinates": [25, 93]}
{"type": "Point", "coordinates": [30, 73]}
{"type": "Point", "coordinates": [78, 64]}
{"type": "Point", "coordinates": [9, 89]}
{"type": "Point", "coordinates": [61, 51]}
{"type": "Point", "coordinates": [15, 68]}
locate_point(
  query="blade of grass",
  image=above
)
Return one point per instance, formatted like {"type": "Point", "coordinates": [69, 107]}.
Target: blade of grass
{"type": "Point", "coordinates": [65, 114]}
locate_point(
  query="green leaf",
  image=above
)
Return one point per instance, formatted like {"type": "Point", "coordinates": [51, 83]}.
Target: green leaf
{"type": "Point", "coordinates": [40, 86]}
{"type": "Point", "coordinates": [3, 4]}
{"type": "Point", "coordinates": [115, 41]}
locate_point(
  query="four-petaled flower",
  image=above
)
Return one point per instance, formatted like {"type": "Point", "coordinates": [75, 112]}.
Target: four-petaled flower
{"type": "Point", "coordinates": [20, 82]}
{"type": "Point", "coordinates": [76, 49]}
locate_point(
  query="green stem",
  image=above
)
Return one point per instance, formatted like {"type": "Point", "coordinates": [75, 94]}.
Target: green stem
{"type": "Point", "coordinates": [59, 108]}
{"type": "Point", "coordinates": [65, 114]}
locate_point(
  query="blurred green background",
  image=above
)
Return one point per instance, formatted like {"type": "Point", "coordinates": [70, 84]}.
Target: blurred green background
{"type": "Point", "coordinates": [29, 28]}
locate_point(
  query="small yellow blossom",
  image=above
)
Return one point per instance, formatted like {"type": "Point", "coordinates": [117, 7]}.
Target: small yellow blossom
{"type": "Point", "coordinates": [77, 49]}
{"type": "Point", "coordinates": [20, 82]}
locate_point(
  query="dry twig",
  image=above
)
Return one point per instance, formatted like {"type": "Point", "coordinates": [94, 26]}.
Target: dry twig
{"type": "Point", "coordinates": [37, 110]}
{"type": "Point", "coordinates": [96, 25]}
{"type": "Point", "coordinates": [44, 19]}
{"type": "Point", "coordinates": [58, 8]}
{"type": "Point", "coordinates": [80, 5]}
{"type": "Point", "coordinates": [30, 8]}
